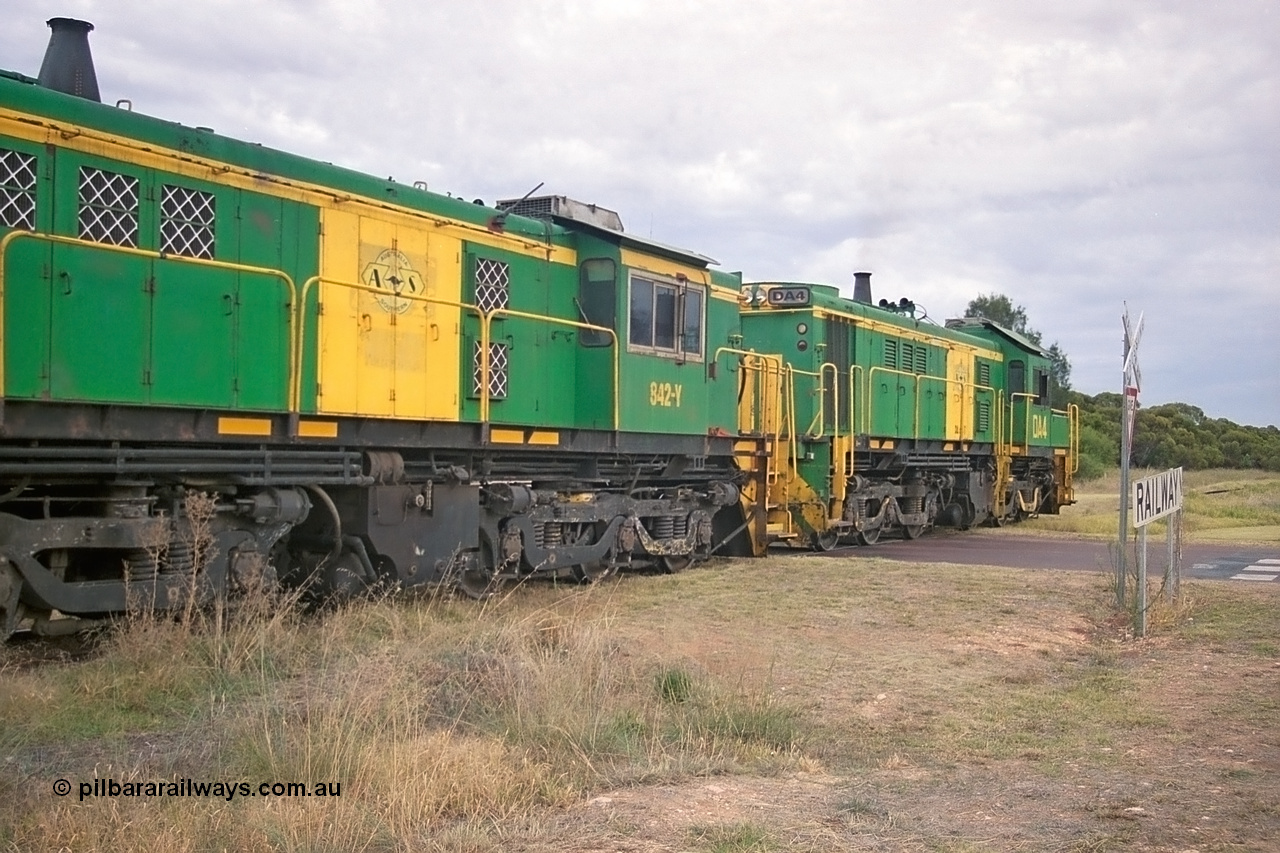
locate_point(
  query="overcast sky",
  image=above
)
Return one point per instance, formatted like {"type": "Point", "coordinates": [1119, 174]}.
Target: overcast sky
{"type": "Point", "coordinates": [1073, 156]}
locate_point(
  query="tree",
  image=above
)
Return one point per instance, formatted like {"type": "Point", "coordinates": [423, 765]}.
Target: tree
{"type": "Point", "coordinates": [1059, 368]}
{"type": "Point", "coordinates": [1000, 310]}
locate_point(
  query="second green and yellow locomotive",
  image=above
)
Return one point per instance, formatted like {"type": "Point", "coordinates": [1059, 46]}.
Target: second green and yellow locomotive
{"type": "Point", "coordinates": [877, 421]}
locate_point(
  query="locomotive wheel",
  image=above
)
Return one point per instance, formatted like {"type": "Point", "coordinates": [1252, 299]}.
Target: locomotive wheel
{"type": "Point", "coordinates": [912, 531]}
{"type": "Point", "coordinates": [824, 540]}
{"type": "Point", "coordinates": [10, 599]}
{"type": "Point", "coordinates": [594, 573]}
{"type": "Point", "coordinates": [479, 585]}
{"type": "Point", "coordinates": [674, 564]}
{"type": "Point", "coordinates": [869, 537]}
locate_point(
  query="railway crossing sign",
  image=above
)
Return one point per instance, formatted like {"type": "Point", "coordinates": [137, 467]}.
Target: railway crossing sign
{"type": "Point", "coordinates": [1132, 337]}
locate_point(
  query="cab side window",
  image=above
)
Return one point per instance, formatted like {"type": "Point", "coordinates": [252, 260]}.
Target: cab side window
{"type": "Point", "coordinates": [666, 317]}
{"type": "Point", "coordinates": [597, 300]}
{"type": "Point", "coordinates": [1017, 378]}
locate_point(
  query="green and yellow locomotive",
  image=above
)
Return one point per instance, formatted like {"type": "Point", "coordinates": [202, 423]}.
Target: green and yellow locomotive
{"type": "Point", "coordinates": [373, 382]}
{"type": "Point", "coordinates": [223, 363]}
{"type": "Point", "coordinates": [876, 421]}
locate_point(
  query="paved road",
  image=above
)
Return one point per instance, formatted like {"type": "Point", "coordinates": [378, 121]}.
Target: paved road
{"type": "Point", "coordinates": [1244, 563]}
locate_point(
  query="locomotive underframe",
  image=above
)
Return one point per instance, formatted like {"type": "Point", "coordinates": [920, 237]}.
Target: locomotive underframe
{"type": "Point", "coordinates": [94, 520]}
{"type": "Point", "coordinates": [918, 485]}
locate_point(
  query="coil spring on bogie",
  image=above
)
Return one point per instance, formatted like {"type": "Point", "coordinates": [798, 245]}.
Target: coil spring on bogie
{"type": "Point", "coordinates": [550, 533]}
{"type": "Point", "coordinates": [863, 508]}
{"type": "Point", "coordinates": [141, 564]}
{"type": "Point", "coordinates": [680, 527]}
{"type": "Point", "coordinates": [178, 558]}
{"type": "Point", "coordinates": [661, 526]}
{"type": "Point", "coordinates": [911, 504]}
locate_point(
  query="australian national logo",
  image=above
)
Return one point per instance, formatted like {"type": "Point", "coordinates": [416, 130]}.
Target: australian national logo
{"type": "Point", "coordinates": [393, 272]}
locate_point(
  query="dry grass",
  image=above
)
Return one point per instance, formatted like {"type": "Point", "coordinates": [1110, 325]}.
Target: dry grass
{"type": "Point", "coordinates": [780, 704]}
{"type": "Point", "coordinates": [1220, 506]}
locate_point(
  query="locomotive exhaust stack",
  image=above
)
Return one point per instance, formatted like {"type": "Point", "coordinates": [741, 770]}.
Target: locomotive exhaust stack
{"type": "Point", "coordinates": [68, 64]}
{"type": "Point", "coordinates": [862, 287]}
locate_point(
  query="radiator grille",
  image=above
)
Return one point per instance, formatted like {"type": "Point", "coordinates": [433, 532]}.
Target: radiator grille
{"type": "Point", "coordinates": [493, 284]}
{"type": "Point", "coordinates": [17, 190]}
{"type": "Point", "coordinates": [497, 371]}
{"type": "Point", "coordinates": [108, 207]}
{"type": "Point", "coordinates": [186, 222]}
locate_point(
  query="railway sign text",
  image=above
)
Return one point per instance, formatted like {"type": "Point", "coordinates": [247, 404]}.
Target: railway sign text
{"type": "Point", "coordinates": [1156, 496]}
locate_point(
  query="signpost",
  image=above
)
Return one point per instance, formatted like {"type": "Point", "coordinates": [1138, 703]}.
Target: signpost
{"type": "Point", "coordinates": [1131, 384]}
{"type": "Point", "coordinates": [1157, 496]}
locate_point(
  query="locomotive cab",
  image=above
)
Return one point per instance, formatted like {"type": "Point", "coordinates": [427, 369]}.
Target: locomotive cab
{"type": "Point", "coordinates": [1040, 437]}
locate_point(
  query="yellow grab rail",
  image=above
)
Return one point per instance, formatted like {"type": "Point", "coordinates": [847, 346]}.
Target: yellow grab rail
{"type": "Point", "coordinates": [486, 321]}
{"type": "Point", "coordinates": [773, 364]}
{"type": "Point", "coordinates": [1026, 418]}
{"type": "Point", "coordinates": [377, 291]}
{"type": "Point", "coordinates": [13, 236]}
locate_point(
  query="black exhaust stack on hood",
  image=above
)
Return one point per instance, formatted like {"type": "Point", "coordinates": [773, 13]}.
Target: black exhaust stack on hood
{"type": "Point", "coordinates": [68, 65]}
{"type": "Point", "coordinates": [862, 287]}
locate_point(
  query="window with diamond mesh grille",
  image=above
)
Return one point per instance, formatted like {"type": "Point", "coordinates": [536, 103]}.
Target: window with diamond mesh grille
{"type": "Point", "coordinates": [497, 371]}
{"type": "Point", "coordinates": [186, 222]}
{"type": "Point", "coordinates": [108, 207]}
{"type": "Point", "coordinates": [493, 281]}
{"type": "Point", "coordinates": [17, 190]}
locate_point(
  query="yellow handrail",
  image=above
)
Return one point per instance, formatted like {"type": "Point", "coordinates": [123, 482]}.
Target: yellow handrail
{"type": "Point", "coordinates": [915, 377]}
{"type": "Point", "coordinates": [1073, 434]}
{"type": "Point", "coordinates": [855, 370]}
{"type": "Point", "coordinates": [14, 236]}
{"type": "Point", "coordinates": [772, 361]}
{"type": "Point", "coordinates": [486, 319]}
{"type": "Point", "coordinates": [485, 324]}
{"type": "Point", "coordinates": [1026, 419]}
{"type": "Point", "coordinates": [1072, 415]}
{"type": "Point", "coordinates": [819, 418]}
{"type": "Point", "coordinates": [789, 398]}
{"type": "Point", "coordinates": [377, 291]}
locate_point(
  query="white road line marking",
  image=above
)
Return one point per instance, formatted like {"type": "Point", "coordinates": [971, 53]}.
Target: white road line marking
{"type": "Point", "coordinates": [1254, 577]}
{"type": "Point", "coordinates": [1257, 568]}
{"type": "Point", "coordinates": [1268, 561]}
